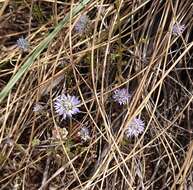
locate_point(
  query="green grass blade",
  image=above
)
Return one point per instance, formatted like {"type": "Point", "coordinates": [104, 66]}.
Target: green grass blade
{"type": "Point", "coordinates": [38, 50]}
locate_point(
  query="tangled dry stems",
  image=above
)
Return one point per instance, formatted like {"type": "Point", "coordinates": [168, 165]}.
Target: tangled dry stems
{"type": "Point", "coordinates": [126, 44]}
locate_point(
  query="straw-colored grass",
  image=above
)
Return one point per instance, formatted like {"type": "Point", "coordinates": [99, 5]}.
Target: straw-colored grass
{"type": "Point", "coordinates": [125, 44]}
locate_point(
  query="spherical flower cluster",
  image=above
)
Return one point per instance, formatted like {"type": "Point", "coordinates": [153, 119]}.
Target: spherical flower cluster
{"type": "Point", "coordinates": [23, 44]}
{"type": "Point", "coordinates": [121, 96]}
{"type": "Point", "coordinates": [135, 127]}
{"type": "Point", "coordinates": [178, 29]}
{"type": "Point", "coordinates": [81, 24]}
{"type": "Point", "coordinates": [66, 105]}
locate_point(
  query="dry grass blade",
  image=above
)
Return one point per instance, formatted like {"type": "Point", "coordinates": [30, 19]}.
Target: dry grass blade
{"type": "Point", "coordinates": [104, 101]}
{"type": "Point", "coordinates": [35, 53]}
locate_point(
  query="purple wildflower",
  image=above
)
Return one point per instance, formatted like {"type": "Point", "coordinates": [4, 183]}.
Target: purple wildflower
{"type": "Point", "coordinates": [136, 127]}
{"type": "Point", "coordinates": [23, 44]}
{"type": "Point", "coordinates": [84, 134]}
{"type": "Point", "coordinates": [81, 24]}
{"type": "Point", "coordinates": [121, 96]}
{"type": "Point", "coordinates": [178, 29]}
{"type": "Point", "coordinates": [67, 105]}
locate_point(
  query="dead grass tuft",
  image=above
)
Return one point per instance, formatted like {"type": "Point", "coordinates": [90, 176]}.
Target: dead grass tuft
{"type": "Point", "coordinates": [126, 44]}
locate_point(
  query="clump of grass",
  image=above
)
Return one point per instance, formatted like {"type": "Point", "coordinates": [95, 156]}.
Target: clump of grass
{"type": "Point", "coordinates": [102, 137]}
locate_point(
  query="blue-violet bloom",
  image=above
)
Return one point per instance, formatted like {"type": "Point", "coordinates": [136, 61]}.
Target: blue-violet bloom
{"type": "Point", "coordinates": [121, 96]}
{"type": "Point", "coordinates": [81, 24]}
{"type": "Point", "coordinates": [23, 44]}
{"type": "Point", "coordinates": [135, 127]}
{"type": "Point", "coordinates": [66, 105]}
{"type": "Point", "coordinates": [178, 29]}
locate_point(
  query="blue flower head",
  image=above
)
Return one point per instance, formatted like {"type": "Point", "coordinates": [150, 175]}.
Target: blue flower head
{"type": "Point", "coordinates": [121, 96]}
{"type": "Point", "coordinates": [81, 24]}
{"type": "Point", "coordinates": [23, 44]}
{"type": "Point", "coordinates": [66, 105]}
{"type": "Point", "coordinates": [135, 127]}
{"type": "Point", "coordinates": [178, 29]}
